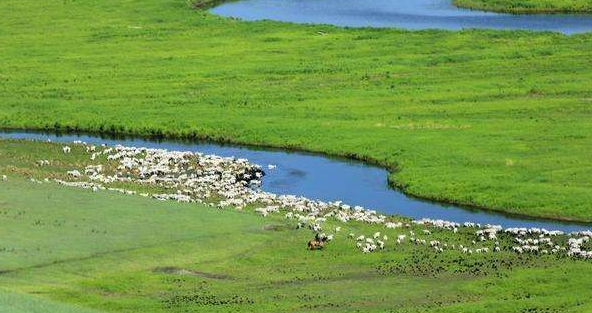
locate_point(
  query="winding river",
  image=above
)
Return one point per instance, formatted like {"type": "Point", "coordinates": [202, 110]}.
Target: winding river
{"type": "Point", "coordinates": [408, 14]}
{"type": "Point", "coordinates": [320, 177]}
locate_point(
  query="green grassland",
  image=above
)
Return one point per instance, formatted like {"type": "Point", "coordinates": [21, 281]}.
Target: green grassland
{"type": "Point", "coordinates": [528, 6]}
{"type": "Point", "coordinates": [23, 303]}
{"type": "Point", "coordinates": [496, 119]}
{"type": "Point", "coordinates": [69, 250]}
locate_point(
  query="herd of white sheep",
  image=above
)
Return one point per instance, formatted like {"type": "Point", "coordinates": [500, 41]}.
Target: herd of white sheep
{"type": "Point", "coordinates": [231, 182]}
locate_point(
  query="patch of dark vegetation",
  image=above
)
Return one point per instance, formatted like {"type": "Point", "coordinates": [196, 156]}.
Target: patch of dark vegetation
{"type": "Point", "coordinates": [366, 37]}
{"type": "Point", "coordinates": [7, 250]}
{"type": "Point", "coordinates": [203, 298]}
{"type": "Point", "coordinates": [304, 280]}
{"type": "Point", "coordinates": [9, 214]}
{"type": "Point", "coordinates": [318, 306]}
{"type": "Point", "coordinates": [433, 265]}
{"type": "Point", "coordinates": [272, 39]}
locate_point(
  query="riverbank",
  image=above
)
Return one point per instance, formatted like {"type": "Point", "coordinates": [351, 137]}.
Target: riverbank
{"type": "Point", "coordinates": [527, 6]}
{"type": "Point", "coordinates": [316, 176]}
{"type": "Point", "coordinates": [508, 132]}
{"type": "Point", "coordinates": [76, 250]}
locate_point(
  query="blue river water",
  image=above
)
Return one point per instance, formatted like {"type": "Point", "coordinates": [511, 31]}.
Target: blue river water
{"type": "Point", "coordinates": [320, 177]}
{"type": "Point", "coordinates": [408, 14]}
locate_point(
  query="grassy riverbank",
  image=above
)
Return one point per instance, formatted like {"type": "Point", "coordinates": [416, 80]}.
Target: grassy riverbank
{"type": "Point", "coordinates": [489, 118]}
{"type": "Point", "coordinates": [527, 6]}
{"type": "Point", "coordinates": [69, 250]}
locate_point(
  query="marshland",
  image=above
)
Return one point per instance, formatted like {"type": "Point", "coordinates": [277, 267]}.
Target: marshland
{"type": "Point", "coordinates": [473, 119]}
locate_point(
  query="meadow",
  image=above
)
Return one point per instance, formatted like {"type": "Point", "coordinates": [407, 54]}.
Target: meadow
{"type": "Point", "coordinates": [69, 250]}
{"type": "Point", "coordinates": [528, 6]}
{"type": "Point", "coordinates": [496, 119]}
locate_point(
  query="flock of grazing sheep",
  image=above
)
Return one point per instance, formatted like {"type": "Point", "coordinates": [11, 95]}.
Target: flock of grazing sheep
{"type": "Point", "coordinates": [230, 182]}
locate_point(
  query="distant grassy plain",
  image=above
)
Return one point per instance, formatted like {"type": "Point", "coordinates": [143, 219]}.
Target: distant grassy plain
{"type": "Point", "coordinates": [528, 6]}
{"type": "Point", "coordinates": [68, 250]}
{"type": "Point", "coordinates": [496, 119]}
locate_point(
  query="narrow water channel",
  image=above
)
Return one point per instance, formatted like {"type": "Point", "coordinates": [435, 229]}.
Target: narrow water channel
{"type": "Point", "coordinates": [320, 177]}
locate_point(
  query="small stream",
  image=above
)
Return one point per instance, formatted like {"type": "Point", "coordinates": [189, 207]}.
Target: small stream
{"type": "Point", "coordinates": [407, 14]}
{"type": "Point", "coordinates": [320, 177]}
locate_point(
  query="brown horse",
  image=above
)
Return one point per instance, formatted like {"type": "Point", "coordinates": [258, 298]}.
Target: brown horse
{"type": "Point", "coordinates": [318, 243]}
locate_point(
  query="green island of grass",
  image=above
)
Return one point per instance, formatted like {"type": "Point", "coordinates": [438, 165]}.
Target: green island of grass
{"type": "Point", "coordinates": [527, 6]}
{"type": "Point", "coordinates": [496, 119]}
{"type": "Point", "coordinates": [70, 250]}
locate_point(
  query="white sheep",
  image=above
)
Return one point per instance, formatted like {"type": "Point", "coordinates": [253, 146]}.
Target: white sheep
{"type": "Point", "coordinates": [196, 177]}
{"type": "Point", "coordinates": [74, 173]}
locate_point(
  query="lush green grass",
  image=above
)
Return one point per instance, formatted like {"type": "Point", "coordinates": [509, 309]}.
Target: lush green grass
{"type": "Point", "coordinates": [64, 248]}
{"type": "Point", "coordinates": [491, 118]}
{"type": "Point", "coordinates": [528, 6]}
